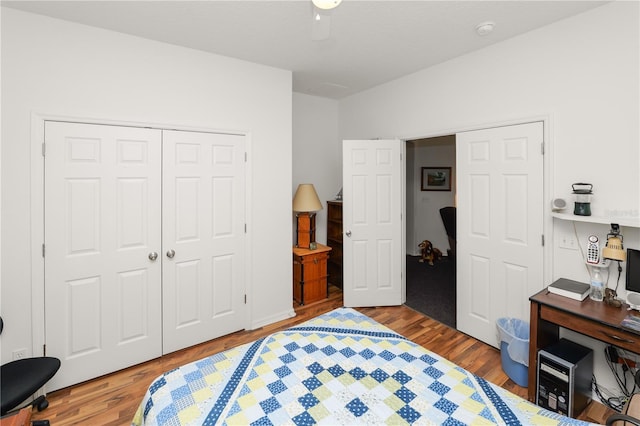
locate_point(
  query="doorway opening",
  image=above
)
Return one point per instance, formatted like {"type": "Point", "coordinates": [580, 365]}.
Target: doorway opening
{"type": "Point", "coordinates": [430, 187]}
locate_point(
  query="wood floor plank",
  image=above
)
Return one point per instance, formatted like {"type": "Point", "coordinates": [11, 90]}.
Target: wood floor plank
{"type": "Point", "coordinates": [113, 399]}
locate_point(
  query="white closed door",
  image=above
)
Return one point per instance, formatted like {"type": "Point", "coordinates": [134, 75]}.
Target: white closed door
{"type": "Point", "coordinates": [102, 228]}
{"type": "Point", "coordinates": [373, 240]}
{"type": "Point", "coordinates": [203, 237]}
{"type": "Point", "coordinates": [499, 225]}
{"type": "Point", "coordinates": [144, 244]}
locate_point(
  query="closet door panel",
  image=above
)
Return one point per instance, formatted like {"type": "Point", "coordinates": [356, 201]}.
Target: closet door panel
{"type": "Point", "coordinates": [203, 231]}
{"type": "Point", "coordinates": [102, 221]}
{"type": "Point", "coordinates": [115, 197]}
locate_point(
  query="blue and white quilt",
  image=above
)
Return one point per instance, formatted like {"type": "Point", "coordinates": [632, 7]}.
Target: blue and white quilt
{"type": "Point", "coordinates": [341, 368]}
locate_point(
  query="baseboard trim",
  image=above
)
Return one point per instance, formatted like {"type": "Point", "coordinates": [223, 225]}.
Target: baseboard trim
{"type": "Point", "coordinates": [290, 313]}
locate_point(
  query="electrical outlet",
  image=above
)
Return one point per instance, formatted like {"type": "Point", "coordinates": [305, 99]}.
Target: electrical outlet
{"type": "Point", "coordinates": [19, 353]}
{"type": "Point", "coordinates": [568, 241]}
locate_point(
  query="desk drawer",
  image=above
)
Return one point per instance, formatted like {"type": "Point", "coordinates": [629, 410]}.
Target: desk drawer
{"type": "Point", "coordinates": [611, 335]}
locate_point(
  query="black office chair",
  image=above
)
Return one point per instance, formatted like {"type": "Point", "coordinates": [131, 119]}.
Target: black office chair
{"type": "Point", "coordinates": [448, 215]}
{"type": "Point", "coordinates": [22, 378]}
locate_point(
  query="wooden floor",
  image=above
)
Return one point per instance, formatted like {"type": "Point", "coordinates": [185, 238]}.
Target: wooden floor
{"type": "Point", "coordinates": [114, 399]}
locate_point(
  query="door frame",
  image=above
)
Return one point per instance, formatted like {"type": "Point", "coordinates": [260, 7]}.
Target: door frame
{"type": "Point", "coordinates": [36, 211]}
{"type": "Point", "coordinates": [547, 174]}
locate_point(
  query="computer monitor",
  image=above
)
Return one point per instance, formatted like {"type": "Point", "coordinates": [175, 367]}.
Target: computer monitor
{"type": "Point", "coordinates": [633, 278]}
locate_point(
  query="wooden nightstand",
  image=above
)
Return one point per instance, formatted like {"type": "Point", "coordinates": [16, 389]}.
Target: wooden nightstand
{"type": "Point", "coordinates": [310, 274]}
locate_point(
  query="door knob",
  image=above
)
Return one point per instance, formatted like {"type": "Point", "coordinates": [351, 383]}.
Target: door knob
{"type": "Point", "coordinates": [153, 256]}
{"type": "Point", "coordinates": [348, 234]}
{"type": "Point", "coordinates": [171, 253]}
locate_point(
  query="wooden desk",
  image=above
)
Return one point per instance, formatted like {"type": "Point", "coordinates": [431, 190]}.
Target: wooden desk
{"type": "Point", "coordinates": [598, 320]}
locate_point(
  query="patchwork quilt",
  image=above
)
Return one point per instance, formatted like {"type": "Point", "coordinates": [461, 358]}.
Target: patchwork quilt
{"type": "Point", "coordinates": [341, 368]}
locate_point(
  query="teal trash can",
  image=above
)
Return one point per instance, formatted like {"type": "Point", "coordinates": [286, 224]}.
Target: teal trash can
{"type": "Point", "coordinates": [514, 349]}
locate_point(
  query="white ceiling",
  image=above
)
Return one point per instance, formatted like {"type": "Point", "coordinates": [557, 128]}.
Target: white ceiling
{"type": "Point", "coordinates": [371, 42]}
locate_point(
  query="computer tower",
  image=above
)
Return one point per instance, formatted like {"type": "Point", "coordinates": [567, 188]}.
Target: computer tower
{"type": "Point", "coordinates": [564, 377]}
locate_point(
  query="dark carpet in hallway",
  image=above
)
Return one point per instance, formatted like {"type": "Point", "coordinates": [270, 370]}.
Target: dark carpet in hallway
{"type": "Point", "coordinates": [432, 289]}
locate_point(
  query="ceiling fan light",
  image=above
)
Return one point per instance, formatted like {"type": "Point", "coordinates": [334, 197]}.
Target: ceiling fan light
{"type": "Point", "coordinates": [326, 4]}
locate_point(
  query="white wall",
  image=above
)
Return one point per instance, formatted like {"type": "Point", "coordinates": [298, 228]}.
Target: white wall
{"type": "Point", "coordinates": [317, 152]}
{"type": "Point", "coordinates": [581, 74]}
{"type": "Point", "coordinates": [59, 68]}
{"type": "Point", "coordinates": [317, 159]}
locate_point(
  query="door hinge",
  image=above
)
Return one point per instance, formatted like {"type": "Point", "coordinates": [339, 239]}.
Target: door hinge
{"type": "Point", "coordinates": [44, 149]}
{"type": "Point", "coordinates": [43, 250]}
{"type": "Point", "coordinates": [245, 299]}
{"type": "Point", "coordinates": [542, 148]}
{"type": "Point", "coordinates": [542, 240]}
{"type": "Point", "coordinates": [245, 157]}
{"type": "Point", "coordinates": [44, 350]}
{"type": "Point", "coordinates": [245, 228]}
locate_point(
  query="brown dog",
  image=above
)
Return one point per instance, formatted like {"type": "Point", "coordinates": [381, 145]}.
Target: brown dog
{"type": "Point", "coordinates": [429, 252]}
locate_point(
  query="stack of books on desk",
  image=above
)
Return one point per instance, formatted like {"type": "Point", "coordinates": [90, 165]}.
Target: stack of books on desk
{"type": "Point", "coordinates": [631, 322]}
{"type": "Point", "coordinates": [568, 288]}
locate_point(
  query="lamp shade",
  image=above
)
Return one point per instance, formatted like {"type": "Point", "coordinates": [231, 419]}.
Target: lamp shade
{"type": "Point", "coordinates": [306, 199]}
{"type": "Point", "coordinates": [614, 249]}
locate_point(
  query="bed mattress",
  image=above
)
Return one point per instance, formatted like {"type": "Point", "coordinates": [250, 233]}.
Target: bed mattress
{"type": "Point", "coordinates": [341, 368]}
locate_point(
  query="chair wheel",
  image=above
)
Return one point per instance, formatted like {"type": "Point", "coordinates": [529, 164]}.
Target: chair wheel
{"type": "Point", "coordinates": [42, 404]}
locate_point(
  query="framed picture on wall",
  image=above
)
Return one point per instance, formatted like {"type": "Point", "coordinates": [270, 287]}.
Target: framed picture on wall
{"type": "Point", "coordinates": [436, 179]}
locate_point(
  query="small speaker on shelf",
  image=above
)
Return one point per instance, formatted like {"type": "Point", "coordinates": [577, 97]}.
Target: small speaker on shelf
{"type": "Point", "coordinates": [633, 299]}
{"type": "Point", "coordinates": [558, 204]}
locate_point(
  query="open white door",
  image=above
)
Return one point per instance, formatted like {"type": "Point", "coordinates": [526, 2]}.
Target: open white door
{"type": "Point", "coordinates": [499, 225]}
{"type": "Point", "coordinates": [373, 241]}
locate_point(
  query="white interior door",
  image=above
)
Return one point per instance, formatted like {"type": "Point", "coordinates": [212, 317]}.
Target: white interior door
{"type": "Point", "coordinates": [373, 240]}
{"type": "Point", "coordinates": [203, 237]}
{"type": "Point", "coordinates": [102, 221]}
{"type": "Point", "coordinates": [499, 225]}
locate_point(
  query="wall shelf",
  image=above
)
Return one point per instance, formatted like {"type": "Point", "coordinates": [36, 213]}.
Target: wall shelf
{"type": "Point", "coordinates": [630, 221]}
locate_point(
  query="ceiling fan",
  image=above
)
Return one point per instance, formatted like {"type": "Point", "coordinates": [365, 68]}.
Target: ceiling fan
{"type": "Point", "coordinates": [321, 18]}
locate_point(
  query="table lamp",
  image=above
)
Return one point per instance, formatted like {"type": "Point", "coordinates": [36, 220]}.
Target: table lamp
{"type": "Point", "coordinates": [306, 203]}
{"type": "Point", "coordinates": [614, 249]}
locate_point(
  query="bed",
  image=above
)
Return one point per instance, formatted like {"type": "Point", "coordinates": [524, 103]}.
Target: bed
{"type": "Point", "coordinates": [339, 368]}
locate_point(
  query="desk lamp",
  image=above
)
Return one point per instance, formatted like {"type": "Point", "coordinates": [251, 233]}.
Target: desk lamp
{"type": "Point", "coordinates": [614, 251]}
{"type": "Point", "coordinates": [306, 203]}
